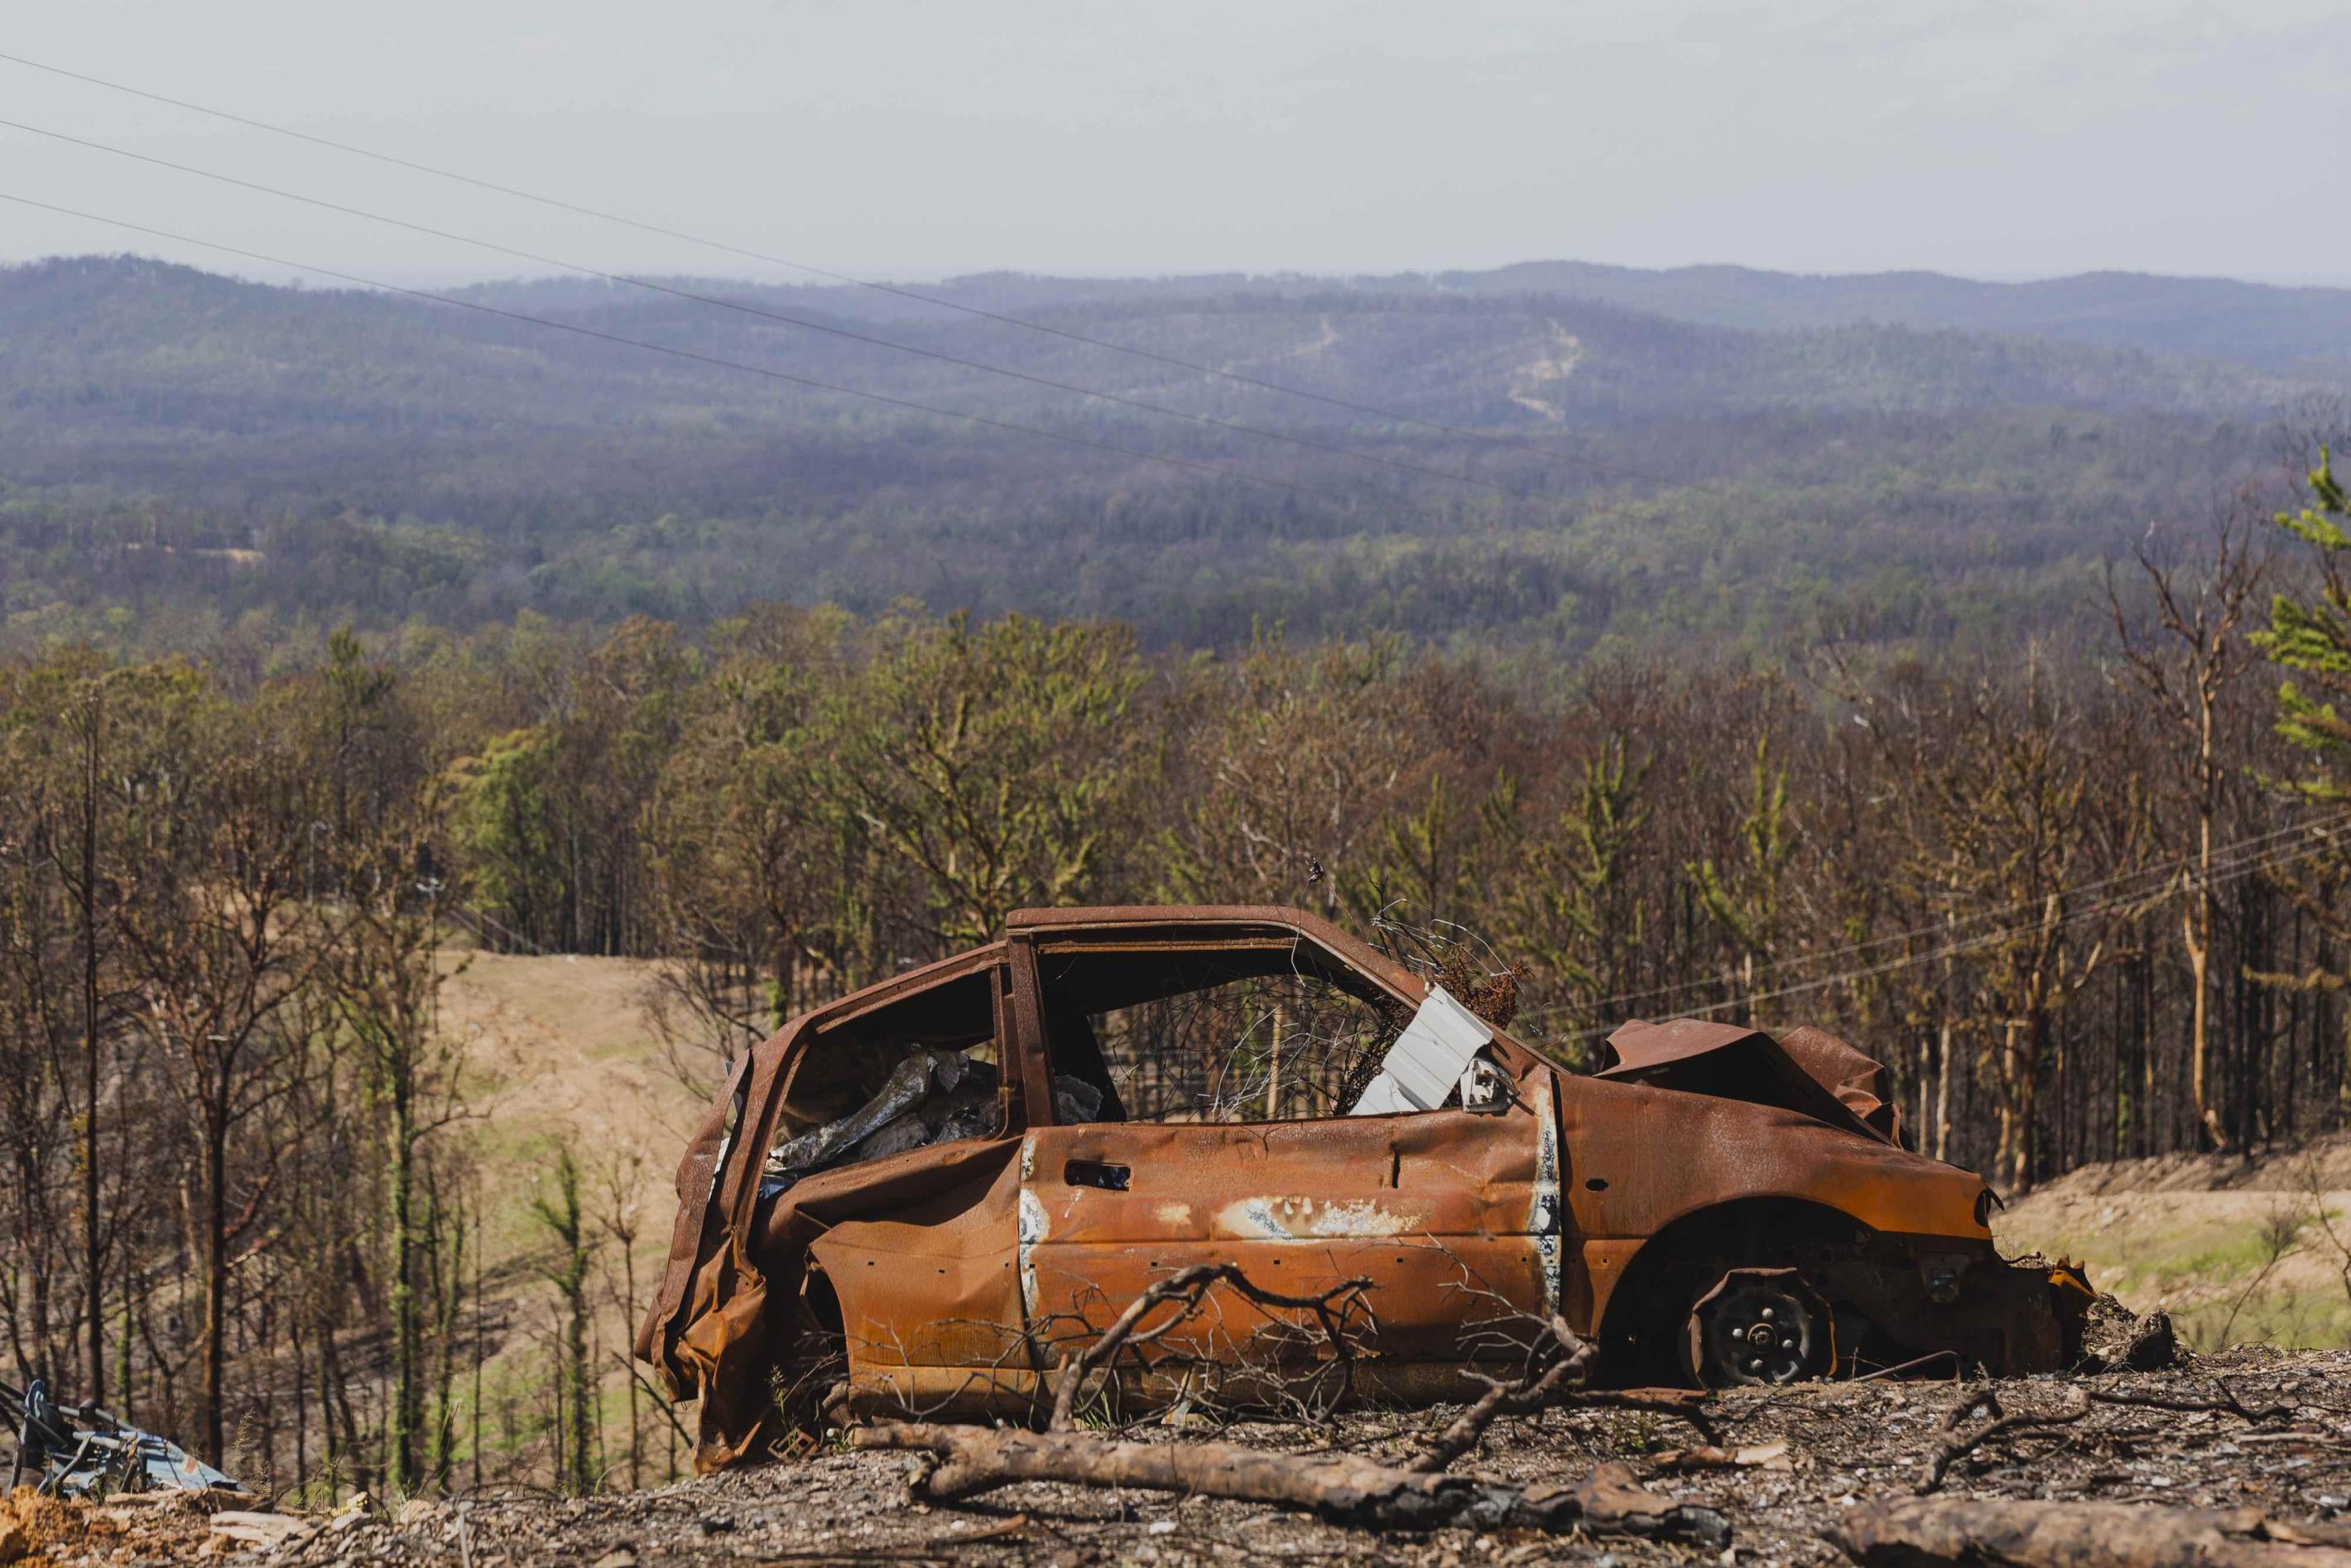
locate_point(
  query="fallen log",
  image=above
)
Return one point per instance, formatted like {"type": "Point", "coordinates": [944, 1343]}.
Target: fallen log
{"type": "Point", "coordinates": [2000, 1532]}
{"type": "Point", "coordinates": [1343, 1488]}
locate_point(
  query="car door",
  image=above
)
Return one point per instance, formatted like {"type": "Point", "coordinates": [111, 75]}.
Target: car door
{"type": "Point", "coordinates": [912, 1248]}
{"type": "Point", "coordinates": [1451, 1216]}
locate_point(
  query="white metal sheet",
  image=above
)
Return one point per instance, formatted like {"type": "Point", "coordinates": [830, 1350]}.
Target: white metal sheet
{"type": "Point", "coordinates": [1427, 1059]}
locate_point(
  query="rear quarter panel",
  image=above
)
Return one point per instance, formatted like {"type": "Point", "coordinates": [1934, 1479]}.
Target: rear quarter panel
{"type": "Point", "coordinates": [1638, 1158]}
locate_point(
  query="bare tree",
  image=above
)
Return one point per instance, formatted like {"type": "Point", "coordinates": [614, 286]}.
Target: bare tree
{"type": "Point", "coordinates": [622, 1221]}
{"type": "Point", "coordinates": [564, 1221]}
{"type": "Point", "coordinates": [2186, 656]}
{"type": "Point", "coordinates": [385, 977]}
{"type": "Point", "coordinates": [219, 945]}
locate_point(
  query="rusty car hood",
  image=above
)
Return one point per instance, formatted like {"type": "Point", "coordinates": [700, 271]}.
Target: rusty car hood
{"type": "Point", "coordinates": [1806, 1070]}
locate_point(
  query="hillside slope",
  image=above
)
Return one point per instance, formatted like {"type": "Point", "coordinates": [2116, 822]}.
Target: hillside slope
{"type": "Point", "coordinates": [2237, 1249]}
{"type": "Point", "coordinates": [179, 443]}
{"type": "Point", "coordinates": [2294, 331]}
{"type": "Point", "coordinates": [559, 1054]}
{"type": "Point", "coordinates": [104, 349]}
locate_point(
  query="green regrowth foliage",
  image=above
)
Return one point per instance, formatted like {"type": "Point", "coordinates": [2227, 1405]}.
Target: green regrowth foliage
{"type": "Point", "coordinates": [2312, 637]}
{"type": "Point", "coordinates": [1745, 898]}
{"type": "Point", "coordinates": [999, 762]}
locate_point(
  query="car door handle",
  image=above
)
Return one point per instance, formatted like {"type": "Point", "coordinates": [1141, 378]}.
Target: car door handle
{"type": "Point", "coordinates": [1093, 1173]}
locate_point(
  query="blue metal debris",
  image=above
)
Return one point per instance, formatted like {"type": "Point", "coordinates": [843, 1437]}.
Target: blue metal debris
{"type": "Point", "coordinates": [79, 1450]}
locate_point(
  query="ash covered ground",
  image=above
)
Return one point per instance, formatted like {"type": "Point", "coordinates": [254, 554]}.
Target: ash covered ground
{"type": "Point", "coordinates": [1810, 1452]}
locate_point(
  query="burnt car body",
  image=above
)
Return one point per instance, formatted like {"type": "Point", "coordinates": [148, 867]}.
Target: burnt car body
{"type": "Point", "coordinates": [964, 1171]}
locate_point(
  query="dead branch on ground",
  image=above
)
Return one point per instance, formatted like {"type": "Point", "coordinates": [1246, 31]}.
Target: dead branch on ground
{"type": "Point", "coordinates": [1536, 1341]}
{"type": "Point", "coordinates": [2224, 1400]}
{"type": "Point", "coordinates": [1998, 1422]}
{"type": "Point", "coordinates": [1570, 1364]}
{"type": "Point", "coordinates": [1909, 1533]}
{"type": "Point", "coordinates": [1681, 1403]}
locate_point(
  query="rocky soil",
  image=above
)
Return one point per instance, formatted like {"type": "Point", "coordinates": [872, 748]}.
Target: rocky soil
{"type": "Point", "coordinates": [2261, 1428]}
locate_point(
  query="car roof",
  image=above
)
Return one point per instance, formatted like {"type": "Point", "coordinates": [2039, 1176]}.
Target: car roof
{"type": "Point", "coordinates": [1246, 923]}
{"type": "Point", "coordinates": [1243, 923]}
{"type": "Point", "coordinates": [1202, 921]}
{"type": "Point", "coordinates": [1206, 921]}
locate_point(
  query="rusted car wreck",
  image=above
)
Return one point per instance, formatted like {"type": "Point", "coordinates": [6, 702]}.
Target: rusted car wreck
{"type": "Point", "coordinates": [964, 1172]}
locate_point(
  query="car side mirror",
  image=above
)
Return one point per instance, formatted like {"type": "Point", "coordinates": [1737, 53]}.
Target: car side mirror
{"type": "Point", "coordinates": [1485, 1088]}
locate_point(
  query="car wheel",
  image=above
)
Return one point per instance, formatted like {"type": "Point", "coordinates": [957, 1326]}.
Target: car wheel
{"type": "Point", "coordinates": [1757, 1326]}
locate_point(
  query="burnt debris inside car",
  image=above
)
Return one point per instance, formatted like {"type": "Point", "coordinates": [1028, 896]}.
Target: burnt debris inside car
{"type": "Point", "coordinates": [941, 1187]}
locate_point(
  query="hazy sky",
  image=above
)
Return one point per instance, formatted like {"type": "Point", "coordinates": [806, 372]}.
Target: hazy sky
{"type": "Point", "coordinates": [920, 137]}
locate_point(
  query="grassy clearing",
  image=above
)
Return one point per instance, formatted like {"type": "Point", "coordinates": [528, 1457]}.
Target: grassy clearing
{"type": "Point", "coordinates": [558, 1051]}
{"type": "Point", "coordinates": [2232, 1248]}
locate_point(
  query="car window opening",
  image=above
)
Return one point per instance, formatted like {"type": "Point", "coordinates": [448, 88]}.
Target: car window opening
{"type": "Point", "coordinates": [926, 1069]}
{"type": "Point", "coordinates": [1227, 1035]}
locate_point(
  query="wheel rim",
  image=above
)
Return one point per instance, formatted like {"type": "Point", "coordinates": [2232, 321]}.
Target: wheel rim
{"type": "Point", "coordinates": [1758, 1327]}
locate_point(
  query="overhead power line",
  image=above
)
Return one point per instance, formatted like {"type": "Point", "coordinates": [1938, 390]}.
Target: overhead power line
{"type": "Point", "coordinates": [2156, 873]}
{"type": "Point", "coordinates": [900, 291]}
{"type": "Point", "coordinates": [745, 308]}
{"type": "Point", "coordinates": [2236, 871]}
{"type": "Point", "coordinates": [1218, 469]}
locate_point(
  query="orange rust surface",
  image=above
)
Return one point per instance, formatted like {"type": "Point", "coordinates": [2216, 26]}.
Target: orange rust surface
{"type": "Point", "coordinates": [1641, 1157]}
{"type": "Point", "coordinates": [970, 1268]}
{"type": "Point", "coordinates": [1435, 1208]}
{"type": "Point", "coordinates": [935, 1283]}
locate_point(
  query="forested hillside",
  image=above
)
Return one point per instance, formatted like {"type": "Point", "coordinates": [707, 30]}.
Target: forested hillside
{"type": "Point", "coordinates": [192, 448]}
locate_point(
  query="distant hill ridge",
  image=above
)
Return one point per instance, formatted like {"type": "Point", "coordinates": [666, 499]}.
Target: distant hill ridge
{"type": "Point", "coordinates": [1707, 454]}
{"type": "Point", "coordinates": [1471, 351]}
{"type": "Point", "coordinates": [2302, 331]}
{"type": "Point", "coordinates": [2297, 331]}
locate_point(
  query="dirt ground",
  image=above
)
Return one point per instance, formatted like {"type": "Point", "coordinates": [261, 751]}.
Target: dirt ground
{"type": "Point", "coordinates": [2289, 1454]}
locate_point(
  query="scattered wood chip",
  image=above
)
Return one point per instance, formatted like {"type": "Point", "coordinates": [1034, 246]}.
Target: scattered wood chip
{"type": "Point", "coordinates": [1706, 1456]}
